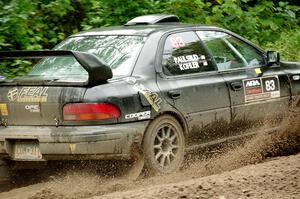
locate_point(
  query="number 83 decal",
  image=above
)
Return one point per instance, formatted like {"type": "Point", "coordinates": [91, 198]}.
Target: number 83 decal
{"type": "Point", "coordinates": [261, 88]}
{"type": "Point", "coordinates": [270, 84]}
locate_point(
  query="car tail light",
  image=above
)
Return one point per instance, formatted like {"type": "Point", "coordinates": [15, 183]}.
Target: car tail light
{"type": "Point", "coordinates": [90, 111]}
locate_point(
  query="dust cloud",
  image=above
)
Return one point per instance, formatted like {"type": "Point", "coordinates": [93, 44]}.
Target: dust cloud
{"type": "Point", "coordinates": [85, 183]}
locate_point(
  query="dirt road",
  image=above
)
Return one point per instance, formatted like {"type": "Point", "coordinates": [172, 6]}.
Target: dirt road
{"type": "Point", "coordinates": [266, 166]}
{"type": "Point", "coordinates": [279, 178]}
{"type": "Point", "coordinates": [242, 172]}
{"type": "Point", "coordinates": [276, 178]}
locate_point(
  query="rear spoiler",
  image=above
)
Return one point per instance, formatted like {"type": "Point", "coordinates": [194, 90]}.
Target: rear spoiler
{"type": "Point", "coordinates": [97, 70]}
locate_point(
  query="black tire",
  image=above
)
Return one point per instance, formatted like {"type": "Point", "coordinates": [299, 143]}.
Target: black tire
{"type": "Point", "coordinates": [163, 146]}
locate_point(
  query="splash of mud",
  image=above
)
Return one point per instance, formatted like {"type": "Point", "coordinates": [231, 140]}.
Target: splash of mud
{"type": "Point", "coordinates": [79, 184]}
{"type": "Point", "coordinates": [72, 185]}
{"type": "Point", "coordinates": [284, 141]}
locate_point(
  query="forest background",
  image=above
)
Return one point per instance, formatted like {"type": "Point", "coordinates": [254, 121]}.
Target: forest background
{"type": "Point", "coordinates": [41, 24]}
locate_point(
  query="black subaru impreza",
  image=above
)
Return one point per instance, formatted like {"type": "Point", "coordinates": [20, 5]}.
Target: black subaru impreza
{"type": "Point", "coordinates": [154, 84]}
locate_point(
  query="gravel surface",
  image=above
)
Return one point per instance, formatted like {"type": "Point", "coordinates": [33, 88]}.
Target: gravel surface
{"type": "Point", "coordinates": [278, 178]}
{"type": "Point", "coordinates": [247, 170]}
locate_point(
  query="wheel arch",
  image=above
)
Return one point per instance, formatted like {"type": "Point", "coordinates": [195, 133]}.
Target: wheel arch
{"type": "Point", "coordinates": [180, 119]}
{"type": "Point", "coordinates": [177, 116]}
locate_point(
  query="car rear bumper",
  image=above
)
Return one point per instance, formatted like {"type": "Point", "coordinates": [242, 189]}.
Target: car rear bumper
{"type": "Point", "coordinates": [75, 142]}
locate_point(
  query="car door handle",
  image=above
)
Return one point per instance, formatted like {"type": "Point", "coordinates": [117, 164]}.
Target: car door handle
{"type": "Point", "coordinates": [236, 86]}
{"type": "Point", "coordinates": [175, 94]}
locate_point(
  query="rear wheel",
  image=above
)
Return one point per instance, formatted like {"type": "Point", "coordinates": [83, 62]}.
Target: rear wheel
{"type": "Point", "coordinates": [163, 145]}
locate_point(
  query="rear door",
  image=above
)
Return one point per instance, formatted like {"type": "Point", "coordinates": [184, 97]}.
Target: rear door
{"type": "Point", "coordinates": [254, 95]}
{"type": "Point", "coordinates": [191, 83]}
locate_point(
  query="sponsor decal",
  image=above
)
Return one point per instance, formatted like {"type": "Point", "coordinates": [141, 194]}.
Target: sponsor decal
{"type": "Point", "coordinates": [3, 109]}
{"type": "Point", "coordinates": [28, 94]}
{"type": "Point", "coordinates": [153, 98]}
{"type": "Point", "coordinates": [177, 42]}
{"type": "Point", "coordinates": [261, 88]}
{"type": "Point", "coordinates": [187, 62]}
{"type": "Point", "coordinates": [258, 71]}
{"type": "Point", "coordinates": [139, 116]}
{"type": "Point", "coordinates": [33, 108]}
{"type": "Point", "coordinates": [253, 83]}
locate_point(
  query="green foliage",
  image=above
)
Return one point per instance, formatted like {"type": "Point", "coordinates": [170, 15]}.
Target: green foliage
{"type": "Point", "coordinates": [16, 68]}
{"type": "Point", "coordinates": [109, 13]}
{"type": "Point", "coordinates": [288, 45]}
{"type": "Point", "coordinates": [40, 24]}
{"type": "Point", "coordinates": [262, 22]}
{"type": "Point", "coordinates": [33, 25]}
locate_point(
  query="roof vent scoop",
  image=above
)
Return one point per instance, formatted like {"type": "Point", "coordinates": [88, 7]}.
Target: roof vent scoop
{"type": "Point", "coordinates": [152, 19]}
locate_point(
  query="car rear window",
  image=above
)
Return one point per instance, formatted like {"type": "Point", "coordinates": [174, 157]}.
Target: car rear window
{"type": "Point", "coordinates": [119, 52]}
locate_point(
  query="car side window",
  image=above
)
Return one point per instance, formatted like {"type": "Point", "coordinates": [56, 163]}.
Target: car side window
{"type": "Point", "coordinates": [184, 54]}
{"type": "Point", "coordinates": [230, 52]}
{"type": "Point", "coordinates": [251, 55]}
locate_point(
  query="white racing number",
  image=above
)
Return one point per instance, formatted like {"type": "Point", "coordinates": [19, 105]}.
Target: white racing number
{"type": "Point", "coordinates": [270, 85]}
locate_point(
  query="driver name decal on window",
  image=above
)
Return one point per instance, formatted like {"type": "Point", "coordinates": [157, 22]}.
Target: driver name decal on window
{"type": "Point", "coordinates": [261, 88]}
{"type": "Point", "coordinates": [185, 54]}
{"type": "Point", "coordinates": [186, 62]}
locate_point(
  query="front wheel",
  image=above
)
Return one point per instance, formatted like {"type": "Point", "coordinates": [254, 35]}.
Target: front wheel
{"type": "Point", "coordinates": [163, 145]}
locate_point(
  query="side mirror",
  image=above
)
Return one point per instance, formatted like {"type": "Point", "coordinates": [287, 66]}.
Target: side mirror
{"type": "Point", "coordinates": [273, 57]}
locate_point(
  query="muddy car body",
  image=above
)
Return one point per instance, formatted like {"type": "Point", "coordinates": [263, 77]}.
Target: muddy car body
{"type": "Point", "coordinates": [176, 80]}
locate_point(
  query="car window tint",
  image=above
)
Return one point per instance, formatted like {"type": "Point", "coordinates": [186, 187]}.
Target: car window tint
{"type": "Point", "coordinates": [230, 52]}
{"type": "Point", "coordinates": [184, 54]}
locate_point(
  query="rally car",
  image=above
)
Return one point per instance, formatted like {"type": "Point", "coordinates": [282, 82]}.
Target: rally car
{"type": "Point", "coordinates": [154, 84]}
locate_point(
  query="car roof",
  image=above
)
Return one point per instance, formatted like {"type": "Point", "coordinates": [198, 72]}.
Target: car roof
{"type": "Point", "coordinates": [140, 30]}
